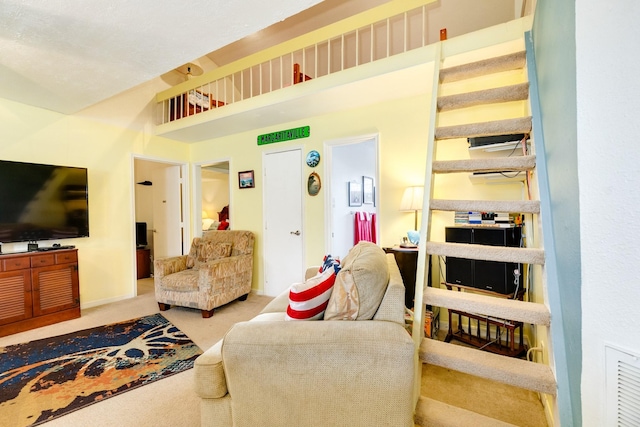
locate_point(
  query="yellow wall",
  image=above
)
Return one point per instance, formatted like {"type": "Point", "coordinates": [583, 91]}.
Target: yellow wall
{"type": "Point", "coordinates": [402, 127]}
{"type": "Point", "coordinates": [106, 258]}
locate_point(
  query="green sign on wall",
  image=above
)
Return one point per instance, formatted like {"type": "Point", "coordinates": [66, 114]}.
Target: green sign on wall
{"type": "Point", "coordinates": [284, 135]}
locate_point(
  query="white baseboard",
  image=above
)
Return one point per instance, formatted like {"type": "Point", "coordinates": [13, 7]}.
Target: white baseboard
{"type": "Point", "coordinates": [97, 303]}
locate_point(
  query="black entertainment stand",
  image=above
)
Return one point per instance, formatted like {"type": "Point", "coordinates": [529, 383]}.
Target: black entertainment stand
{"type": "Point", "coordinates": [492, 278]}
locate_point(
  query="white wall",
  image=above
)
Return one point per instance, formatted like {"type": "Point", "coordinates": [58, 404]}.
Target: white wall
{"type": "Point", "coordinates": [608, 105]}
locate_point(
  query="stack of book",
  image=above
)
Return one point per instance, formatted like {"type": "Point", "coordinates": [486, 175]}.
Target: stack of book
{"type": "Point", "coordinates": [494, 219]}
{"type": "Point", "coordinates": [461, 218]}
{"type": "Point", "coordinates": [475, 217]}
{"type": "Point", "coordinates": [503, 219]}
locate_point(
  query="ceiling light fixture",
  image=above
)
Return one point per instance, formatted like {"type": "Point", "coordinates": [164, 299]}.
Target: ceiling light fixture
{"type": "Point", "coordinates": [190, 70]}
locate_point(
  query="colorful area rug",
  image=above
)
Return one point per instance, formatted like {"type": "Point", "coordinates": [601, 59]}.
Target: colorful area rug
{"type": "Point", "coordinates": [45, 379]}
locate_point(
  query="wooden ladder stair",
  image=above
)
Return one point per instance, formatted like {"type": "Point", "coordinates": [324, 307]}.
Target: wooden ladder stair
{"type": "Point", "coordinates": [517, 372]}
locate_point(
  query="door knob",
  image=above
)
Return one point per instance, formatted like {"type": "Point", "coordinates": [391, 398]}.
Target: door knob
{"type": "Point", "coordinates": [297, 232]}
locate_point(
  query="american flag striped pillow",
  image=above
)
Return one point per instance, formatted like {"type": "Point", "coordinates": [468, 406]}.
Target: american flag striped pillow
{"type": "Point", "coordinates": [308, 300]}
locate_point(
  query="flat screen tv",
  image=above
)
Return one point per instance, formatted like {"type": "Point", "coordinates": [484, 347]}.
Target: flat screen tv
{"type": "Point", "coordinates": [42, 202]}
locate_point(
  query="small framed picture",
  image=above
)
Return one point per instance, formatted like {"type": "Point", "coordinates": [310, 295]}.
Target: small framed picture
{"type": "Point", "coordinates": [355, 194]}
{"type": "Point", "coordinates": [245, 179]}
{"type": "Point", "coordinates": [367, 190]}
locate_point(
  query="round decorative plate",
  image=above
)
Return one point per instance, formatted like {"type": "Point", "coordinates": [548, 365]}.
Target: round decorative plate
{"type": "Point", "coordinates": [313, 158]}
{"type": "Point", "coordinates": [313, 184]}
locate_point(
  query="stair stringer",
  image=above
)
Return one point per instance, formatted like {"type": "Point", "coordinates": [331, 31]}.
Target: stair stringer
{"type": "Point", "coordinates": [560, 359]}
{"type": "Point", "coordinates": [422, 268]}
{"type": "Point", "coordinates": [539, 315]}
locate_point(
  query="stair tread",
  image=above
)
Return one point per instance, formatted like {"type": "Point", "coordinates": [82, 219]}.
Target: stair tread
{"type": "Point", "coordinates": [517, 92]}
{"type": "Point", "coordinates": [499, 308]}
{"type": "Point", "coordinates": [491, 128]}
{"type": "Point", "coordinates": [496, 64]}
{"type": "Point", "coordinates": [486, 252]}
{"type": "Point", "coordinates": [491, 164]}
{"type": "Point", "coordinates": [521, 206]}
{"type": "Point", "coordinates": [507, 370]}
{"type": "Point", "coordinates": [433, 413]}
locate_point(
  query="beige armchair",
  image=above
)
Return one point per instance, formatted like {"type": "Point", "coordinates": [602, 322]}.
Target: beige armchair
{"type": "Point", "coordinates": [217, 270]}
{"type": "Point", "coordinates": [270, 372]}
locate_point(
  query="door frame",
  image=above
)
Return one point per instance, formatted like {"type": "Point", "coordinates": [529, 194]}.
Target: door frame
{"type": "Point", "coordinates": [265, 153]}
{"type": "Point", "coordinates": [196, 178]}
{"type": "Point", "coordinates": [328, 147]}
{"type": "Point", "coordinates": [186, 212]}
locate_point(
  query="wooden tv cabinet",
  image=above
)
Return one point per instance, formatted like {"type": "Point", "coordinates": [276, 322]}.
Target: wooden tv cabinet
{"type": "Point", "coordinates": [38, 289]}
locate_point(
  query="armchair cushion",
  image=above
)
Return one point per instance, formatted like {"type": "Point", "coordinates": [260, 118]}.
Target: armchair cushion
{"type": "Point", "coordinates": [182, 281]}
{"type": "Point", "coordinates": [193, 252]}
{"type": "Point", "coordinates": [209, 251]}
{"type": "Point", "coordinates": [204, 250]}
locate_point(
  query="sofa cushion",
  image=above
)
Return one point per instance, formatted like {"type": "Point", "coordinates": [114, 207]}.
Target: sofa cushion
{"type": "Point", "coordinates": [308, 300]}
{"type": "Point", "coordinates": [360, 284]}
{"type": "Point", "coordinates": [182, 281]}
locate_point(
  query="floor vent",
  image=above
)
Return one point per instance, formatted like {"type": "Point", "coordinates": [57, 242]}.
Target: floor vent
{"type": "Point", "coordinates": [623, 387]}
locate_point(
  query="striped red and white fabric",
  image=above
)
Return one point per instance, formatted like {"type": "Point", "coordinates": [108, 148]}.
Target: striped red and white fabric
{"type": "Point", "coordinates": [308, 300]}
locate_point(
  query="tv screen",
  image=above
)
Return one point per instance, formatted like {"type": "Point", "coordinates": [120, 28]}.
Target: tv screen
{"type": "Point", "coordinates": [42, 202]}
{"type": "Point", "coordinates": [141, 234]}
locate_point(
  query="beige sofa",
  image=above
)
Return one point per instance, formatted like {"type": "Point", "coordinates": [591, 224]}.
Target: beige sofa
{"type": "Point", "coordinates": [271, 372]}
{"type": "Point", "coordinates": [217, 270]}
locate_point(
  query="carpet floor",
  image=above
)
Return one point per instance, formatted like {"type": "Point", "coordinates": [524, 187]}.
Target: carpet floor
{"type": "Point", "coordinates": [172, 401]}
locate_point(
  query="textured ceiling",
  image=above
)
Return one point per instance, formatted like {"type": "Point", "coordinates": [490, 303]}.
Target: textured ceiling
{"type": "Point", "coordinates": [65, 55]}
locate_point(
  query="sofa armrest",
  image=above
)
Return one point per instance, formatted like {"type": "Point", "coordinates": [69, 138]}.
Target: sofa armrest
{"type": "Point", "coordinates": [304, 365]}
{"type": "Point", "coordinates": [209, 373]}
{"type": "Point", "coordinates": [311, 271]}
{"type": "Point", "coordinates": [165, 266]}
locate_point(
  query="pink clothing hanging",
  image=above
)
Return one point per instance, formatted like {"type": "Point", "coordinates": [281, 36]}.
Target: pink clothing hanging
{"type": "Point", "coordinates": [364, 227]}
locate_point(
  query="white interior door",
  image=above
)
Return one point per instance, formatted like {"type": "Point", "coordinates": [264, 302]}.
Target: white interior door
{"type": "Point", "coordinates": [284, 239]}
{"type": "Point", "coordinates": [167, 212]}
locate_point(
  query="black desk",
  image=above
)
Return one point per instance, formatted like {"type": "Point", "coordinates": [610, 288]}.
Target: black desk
{"type": "Point", "coordinates": [407, 260]}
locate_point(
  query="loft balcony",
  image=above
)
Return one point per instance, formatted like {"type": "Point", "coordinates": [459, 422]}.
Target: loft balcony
{"type": "Point", "coordinates": [383, 55]}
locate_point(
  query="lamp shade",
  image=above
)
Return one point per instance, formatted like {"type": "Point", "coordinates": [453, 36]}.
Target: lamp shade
{"type": "Point", "coordinates": [412, 199]}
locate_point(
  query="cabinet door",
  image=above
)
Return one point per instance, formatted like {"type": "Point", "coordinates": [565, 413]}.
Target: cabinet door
{"type": "Point", "coordinates": [15, 296]}
{"type": "Point", "coordinates": [55, 288]}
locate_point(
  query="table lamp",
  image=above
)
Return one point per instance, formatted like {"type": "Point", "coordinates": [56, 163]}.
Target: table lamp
{"type": "Point", "coordinates": [412, 201]}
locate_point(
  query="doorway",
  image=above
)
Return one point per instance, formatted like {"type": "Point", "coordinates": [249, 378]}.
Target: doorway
{"type": "Point", "coordinates": [212, 195]}
{"type": "Point", "coordinates": [345, 174]}
{"type": "Point", "coordinates": [160, 194]}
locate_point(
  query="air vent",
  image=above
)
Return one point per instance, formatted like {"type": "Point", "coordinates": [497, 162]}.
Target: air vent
{"type": "Point", "coordinates": [623, 387]}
